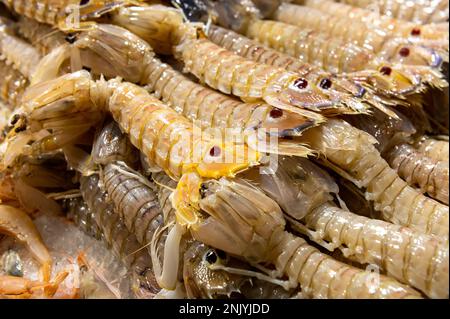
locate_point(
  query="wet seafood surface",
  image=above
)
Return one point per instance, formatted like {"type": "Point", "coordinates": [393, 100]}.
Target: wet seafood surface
{"type": "Point", "coordinates": [201, 149]}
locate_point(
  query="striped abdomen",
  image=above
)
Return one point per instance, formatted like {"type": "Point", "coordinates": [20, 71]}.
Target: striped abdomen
{"type": "Point", "coordinates": [134, 200]}
{"type": "Point", "coordinates": [310, 47]}
{"type": "Point", "coordinates": [353, 154]}
{"type": "Point", "coordinates": [321, 276]}
{"type": "Point", "coordinates": [122, 242]}
{"type": "Point", "coordinates": [413, 258]}
{"type": "Point", "coordinates": [430, 175]}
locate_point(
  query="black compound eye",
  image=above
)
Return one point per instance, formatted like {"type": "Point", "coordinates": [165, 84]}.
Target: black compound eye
{"type": "Point", "coordinates": [386, 70]}
{"type": "Point", "coordinates": [275, 113]}
{"type": "Point", "coordinates": [211, 257]}
{"type": "Point", "coordinates": [71, 38]}
{"type": "Point", "coordinates": [83, 2]}
{"type": "Point", "coordinates": [301, 83]}
{"type": "Point", "coordinates": [15, 119]}
{"type": "Point", "coordinates": [415, 32]}
{"type": "Point", "coordinates": [404, 52]}
{"type": "Point", "coordinates": [215, 151]}
{"type": "Point", "coordinates": [325, 83]}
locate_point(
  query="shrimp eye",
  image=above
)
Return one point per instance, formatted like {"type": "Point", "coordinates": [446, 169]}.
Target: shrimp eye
{"type": "Point", "coordinates": [276, 113]}
{"type": "Point", "coordinates": [211, 257]}
{"type": "Point", "coordinates": [325, 84]}
{"type": "Point", "coordinates": [221, 254]}
{"type": "Point", "coordinates": [385, 70]}
{"type": "Point", "coordinates": [415, 31]}
{"type": "Point", "coordinates": [404, 52]}
{"type": "Point", "coordinates": [215, 151]}
{"type": "Point", "coordinates": [83, 2]}
{"type": "Point", "coordinates": [203, 189]}
{"type": "Point", "coordinates": [15, 119]}
{"type": "Point", "coordinates": [300, 83]}
{"type": "Point", "coordinates": [71, 38]}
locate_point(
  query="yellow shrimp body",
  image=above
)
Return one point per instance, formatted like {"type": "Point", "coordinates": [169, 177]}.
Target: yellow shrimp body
{"type": "Point", "coordinates": [352, 154]}
{"type": "Point", "coordinates": [384, 45]}
{"type": "Point", "coordinates": [317, 274]}
{"type": "Point", "coordinates": [434, 148]}
{"type": "Point", "coordinates": [252, 50]}
{"type": "Point", "coordinates": [15, 51]}
{"type": "Point", "coordinates": [13, 85]}
{"type": "Point", "coordinates": [232, 74]}
{"type": "Point", "coordinates": [43, 37]}
{"type": "Point", "coordinates": [430, 175]}
{"type": "Point", "coordinates": [167, 138]}
{"type": "Point", "coordinates": [401, 28]}
{"type": "Point", "coordinates": [321, 276]}
{"type": "Point", "coordinates": [401, 252]}
{"type": "Point", "coordinates": [425, 11]}
{"type": "Point", "coordinates": [337, 56]}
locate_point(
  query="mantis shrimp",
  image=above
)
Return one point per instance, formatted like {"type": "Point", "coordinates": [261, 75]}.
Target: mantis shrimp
{"type": "Point", "coordinates": [384, 45]}
{"type": "Point", "coordinates": [228, 214]}
{"type": "Point", "coordinates": [246, 79]}
{"type": "Point", "coordinates": [430, 34]}
{"type": "Point", "coordinates": [134, 198]}
{"type": "Point", "coordinates": [351, 153]}
{"type": "Point", "coordinates": [123, 243]}
{"type": "Point", "coordinates": [437, 208]}
{"type": "Point", "coordinates": [337, 55]}
{"type": "Point", "coordinates": [182, 155]}
{"type": "Point", "coordinates": [396, 144]}
{"type": "Point", "coordinates": [227, 207]}
{"type": "Point", "coordinates": [421, 12]}
{"type": "Point", "coordinates": [433, 148]}
{"type": "Point", "coordinates": [254, 51]}
{"type": "Point", "coordinates": [365, 240]}
{"type": "Point", "coordinates": [147, 70]}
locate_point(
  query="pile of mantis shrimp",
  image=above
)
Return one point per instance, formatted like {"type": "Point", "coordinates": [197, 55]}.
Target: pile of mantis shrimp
{"type": "Point", "coordinates": [118, 178]}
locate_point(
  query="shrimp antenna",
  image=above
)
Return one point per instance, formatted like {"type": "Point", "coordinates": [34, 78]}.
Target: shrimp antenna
{"type": "Point", "coordinates": [201, 25]}
{"type": "Point", "coordinates": [163, 185]}
{"type": "Point", "coordinates": [45, 36]}
{"type": "Point", "coordinates": [133, 175]}
{"type": "Point", "coordinates": [283, 283]}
